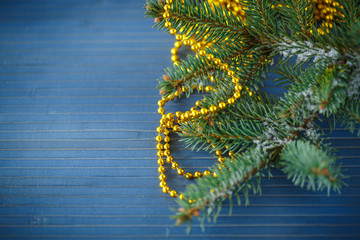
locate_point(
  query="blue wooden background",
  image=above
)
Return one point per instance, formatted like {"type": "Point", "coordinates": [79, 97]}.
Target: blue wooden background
{"type": "Point", "coordinates": [77, 120]}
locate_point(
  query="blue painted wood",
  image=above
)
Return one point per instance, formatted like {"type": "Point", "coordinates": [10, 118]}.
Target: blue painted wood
{"type": "Point", "coordinates": [77, 117]}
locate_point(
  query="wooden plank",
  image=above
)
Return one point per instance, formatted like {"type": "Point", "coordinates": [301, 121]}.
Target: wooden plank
{"type": "Point", "coordinates": [77, 122]}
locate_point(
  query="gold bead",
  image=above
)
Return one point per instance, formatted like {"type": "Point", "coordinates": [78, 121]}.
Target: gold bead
{"type": "Point", "coordinates": [166, 146]}
{"type": "Point", "coordinates": [166, 132]}
{"type": "Point", "coordinates": [204, 111]}
{"type": "Point", "coordinates": [194, 48]}
{"type": "Point", "coordinates": [214, 174]}
{"type": "Point", "coordinates": [231, 101]}
{"type": "Point", "coordinates": [161, 110]}
{"type": "Point", "coordinates": [167, 7]}
{"type": "Point", "coordinates": [231, 154]}
{"type": "Point", "coordinates": [213, 109]}
{"type": "Point", "coordinates": [186, 42]}
{"type": "Point", "coordinates": [237, 95]}
{"type": "Point", "coordinates": [181, 196]}
{"type": "Point", "coordinates": [217, 61]}
{"type": "Point", "coordinates": [168, 24]}
{"type": "Point", "coordinates": [159, 146]}
{"type": "Point", "coordinates": [166, 15]}
{"type": "Point", "coordinates": [159, 129]}
{"type": "Point", "coordinates": [194, 113]}
{"type": "Point", "coordinates": [218, 152]}
{"type": "Point", "coordinates": [202, 52]}
{"type": "Point", "coordinates": [161, 169]}
{"type": "Point", "coordinates": [170, 116]}
{"type": "Point", "coordinates": [162, 177]}
{"type": "Point", "coordinates": [177, 44]}
{"type": "Point", "coordinates": [222, 105]}
{"type": "Point", "coordinates": [169, 1]}
{"type": "Point", "coordinates": [166, 189]}
{"type": "Point", "coordinates": [235, 80]}
{"type": "Point", "coordinates": [221, 159]}
{"type": "Point", "coordinates": [173, 31]}
{"type": "Point", "coordinates": [158, 138]}
{"type": "Point", "coordinates": [160, 153]}
{"type": "Point", "coordinates": [173, 193]}
{"type": "Point", "coordinates": [174, 58]}
{"type": "Point", "coordinates": [224, 66]}
{"type": "Point", "coordinates": [167, 153]}
{"type": "Point", "coordinates": [174, 165]}
{"type": "Point", "coordinates": [180, 171]}
{"type": "Point", "coordinates": [238, 88]}
{"type": "Point", "coordinates": [167, 139]}
{"type": "Point", "coordinates": [207, 173]}
{"type": "Point", "coordinates": [178, 37]}
{"type": "Point", "coordinates": [162, 184]}
{"type": "Point", "coordinates": [174, 51]}
{"type": "Point", "coordinates": [178, 114]}
{"type": "Point", "coordinates": [176, 128]}
{"type": "Point", "coordinates": [190, 202]}
{"type": "Point", "coordinates": [188, 175]}
{"type": "Point", "coordinates": [161, 103]}
{"type": "Point", "coordinates": [210, 57]}
{"type": "Point", "coordinates": [230, 73]}
{"type": "Point", "coordinates": [197, 174]}
{"type": "Point", "coordinates": [198, 103]}
{"type": "Point", "coordinates": [160, 161]}
{"type": "Point", "coordinates": [208, 88]}
{"type": "Point", "coordinates": [169, 159]}
{"type": "Point", "coordinates": [187, 115]}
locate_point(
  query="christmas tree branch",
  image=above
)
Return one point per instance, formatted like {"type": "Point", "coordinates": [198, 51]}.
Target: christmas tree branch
{"type": "Point", "coordinates": [350, 116]}
{"type": "Point", "coordinates": [307, 164]}
{"type": "Point", "coordinates": [200, 20]}
{"type": "Point", "coordinates": [210, 192]}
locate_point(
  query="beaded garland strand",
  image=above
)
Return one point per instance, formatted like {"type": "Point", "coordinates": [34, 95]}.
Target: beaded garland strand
{"type": "Point", "coordinates": [324, 10]}
{"type": "Point", "coordinates": [168, 121]}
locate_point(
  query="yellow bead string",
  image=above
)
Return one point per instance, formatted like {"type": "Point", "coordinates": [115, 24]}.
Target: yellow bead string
{"type": "Point", "coordinates": [325, 10]}
{"type": "Point", "coordinates": [169, 120]}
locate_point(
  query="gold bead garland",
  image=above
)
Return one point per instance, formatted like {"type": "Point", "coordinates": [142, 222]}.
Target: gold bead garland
{"type": "Point", "coordinates": [168, 120]}
{"type": "Point", "coordinates": [325, 10]}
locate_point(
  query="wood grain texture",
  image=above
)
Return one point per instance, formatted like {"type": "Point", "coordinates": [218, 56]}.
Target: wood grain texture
{"type": "Point", "coordinates": [77, 118]}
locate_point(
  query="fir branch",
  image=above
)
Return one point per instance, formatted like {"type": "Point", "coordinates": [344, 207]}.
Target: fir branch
{"type": "Point", "coordinates": [200, 20]}
{"type": "Point", "coordinates": [350, 116]}
{"type": "Point", "coordinates": [308, 165]}
{"type": "Point", "coordinates": [300, 14]}
{"type": "Point", "coordinates": [211, 191]}
{"type": "Point", "coordinates": [190, 72]}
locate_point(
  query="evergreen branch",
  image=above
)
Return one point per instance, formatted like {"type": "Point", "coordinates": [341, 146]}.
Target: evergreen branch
{"type": "Point", "coordinates": [210, 191]}
{"type": "Point", "coordinates": [308, 165]}
{"type": "Point", "coordinates": [262, 19]}
{"type": "Point", "coordinates": [200, 20]}
{"type": "Point", "coordinates": [236, 134]}
{"type": "Point", "coordinates": [300, 14]}
{"type": "Point", "coordinates": [191, 72]}
{"type": "Point", "coordinates": [350, 116]}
